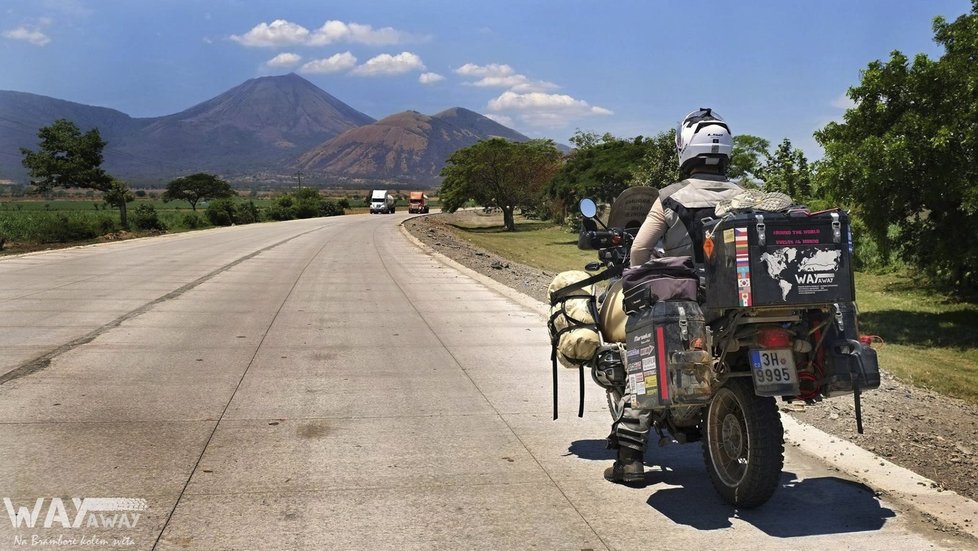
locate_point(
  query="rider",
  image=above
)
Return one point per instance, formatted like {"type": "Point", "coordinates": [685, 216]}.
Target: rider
{"type": "Point", "coordinates": [704, 145]}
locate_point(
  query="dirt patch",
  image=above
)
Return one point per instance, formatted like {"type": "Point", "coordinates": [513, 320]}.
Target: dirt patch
{"type": "Point", "coordinates": [918, 429]}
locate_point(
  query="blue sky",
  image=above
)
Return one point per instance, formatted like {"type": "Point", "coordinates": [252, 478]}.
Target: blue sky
{"type": "Point", "coordinates": [775, 69]}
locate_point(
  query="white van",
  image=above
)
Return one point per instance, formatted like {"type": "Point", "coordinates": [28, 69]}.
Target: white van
{"type": "Point", "coordinates": [381, 201]}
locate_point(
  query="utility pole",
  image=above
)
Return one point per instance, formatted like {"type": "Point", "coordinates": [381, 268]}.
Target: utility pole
{"type": "Point", "coordinates": [298, 177]}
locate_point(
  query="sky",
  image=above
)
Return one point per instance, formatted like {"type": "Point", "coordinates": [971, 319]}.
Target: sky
{"type": "Point", "coordinates": [774, 69]}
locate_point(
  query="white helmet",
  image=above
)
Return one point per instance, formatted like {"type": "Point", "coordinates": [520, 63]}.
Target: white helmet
{"type": "Point", "coordinates": [703, 138]}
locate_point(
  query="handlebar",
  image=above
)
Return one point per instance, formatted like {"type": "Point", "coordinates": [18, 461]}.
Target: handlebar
{"type": "Point", "coordinates": [602, 239]}
{"type": "Point", "coordinates": [613, 246]}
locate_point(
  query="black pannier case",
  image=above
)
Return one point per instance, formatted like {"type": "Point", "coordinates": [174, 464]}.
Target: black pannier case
{"type": "Point", "coordinates": [778, 259]}
{"type": "Point", "coordinates": [669, 361]}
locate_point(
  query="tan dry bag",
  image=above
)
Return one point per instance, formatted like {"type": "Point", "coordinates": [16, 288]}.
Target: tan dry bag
{"type": "Point", "coordinates": [573, 328]}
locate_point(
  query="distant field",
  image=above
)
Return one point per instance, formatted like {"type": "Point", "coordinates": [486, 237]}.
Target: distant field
{"type": "Point", "coordinates": [930, 339]}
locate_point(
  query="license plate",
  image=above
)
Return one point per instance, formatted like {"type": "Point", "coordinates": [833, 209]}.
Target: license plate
{"type": "Point", "coordinates": [774, 371]}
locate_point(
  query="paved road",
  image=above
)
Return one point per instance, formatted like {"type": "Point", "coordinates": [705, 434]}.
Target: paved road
{"type": "Point", "coordinates": [323, 384]}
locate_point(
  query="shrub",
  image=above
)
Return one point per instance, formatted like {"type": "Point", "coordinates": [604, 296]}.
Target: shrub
{"type": "Point", "coordinates": [144, 217]}
{"type": "Point", "coordinates": [330, 208]}
{"type": "Point", "coordinates": [246, 213]}
{"type": "Point", "coordinates": [192, 221]}
{"type": "Point", "coordinates": [220, 212]}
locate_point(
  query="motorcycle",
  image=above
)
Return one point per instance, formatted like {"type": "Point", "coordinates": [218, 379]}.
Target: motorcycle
{"type": "Point", "coordinates": [712, 370]}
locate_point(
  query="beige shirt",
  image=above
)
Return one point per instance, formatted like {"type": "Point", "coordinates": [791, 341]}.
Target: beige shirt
{"type": "Point", "coordinates": [699, 191]}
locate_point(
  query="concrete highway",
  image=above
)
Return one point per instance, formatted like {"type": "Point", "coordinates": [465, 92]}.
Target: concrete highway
{"type": "Point", "coordinates": [325, 384]}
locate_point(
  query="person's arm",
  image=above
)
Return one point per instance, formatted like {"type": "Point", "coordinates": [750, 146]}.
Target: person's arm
{"type": "Point", "coordinates": [649, 234]}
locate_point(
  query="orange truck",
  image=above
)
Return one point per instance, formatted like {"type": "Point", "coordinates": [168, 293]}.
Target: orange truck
{"type": "Point", "coordinates": [418, 203]}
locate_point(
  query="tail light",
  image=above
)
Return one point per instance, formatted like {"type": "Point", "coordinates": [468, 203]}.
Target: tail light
{"type": "Point", "coordinates": [773, 337]}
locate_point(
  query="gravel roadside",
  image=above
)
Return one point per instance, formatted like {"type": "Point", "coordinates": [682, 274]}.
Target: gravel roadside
{"type": "Point", "coordinates": [932, 435]}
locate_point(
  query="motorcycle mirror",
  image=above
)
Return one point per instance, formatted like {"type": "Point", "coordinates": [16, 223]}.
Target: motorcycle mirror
{"type": "Point", "coordinates": [588, 208]}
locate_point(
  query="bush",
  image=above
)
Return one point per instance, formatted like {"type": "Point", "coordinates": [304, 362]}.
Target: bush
{"type": "Point", "coordinates": [246, 213]}
{"type": "Point", "coordinates": [220, 212]}
{"type": "Point", "coordinates": [144, 217]}
{"type": "Point", "coordinates": [279, 213]}
{"type": "Point", "coordinates": [63, 228]}
{"type": "Point", "coordinates": [330, 208]}
{"type": "Point", "coordinates": [192, 221]}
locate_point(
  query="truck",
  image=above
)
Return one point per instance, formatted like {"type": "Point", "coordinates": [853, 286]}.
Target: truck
{"type": "Point", "coordinates": [418, 203]}
{"type": "Point", "coordinates": [381, 201]}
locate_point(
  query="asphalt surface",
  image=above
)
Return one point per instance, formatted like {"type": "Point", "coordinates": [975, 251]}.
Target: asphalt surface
{"type": "Point", "coordinates": [324, 384]}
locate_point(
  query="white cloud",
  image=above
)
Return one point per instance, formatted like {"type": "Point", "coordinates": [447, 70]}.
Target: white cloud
{"type": "Point", "coordinates": [277, 33]}
{"type": "Point", "coordinates": [386, 64]}
{"type": "Point", "coordinates": [843, 102]}
{"type": "Point", "coordinates": [496, 75]}
{"type": "Point", "coordinates": [335, 63]}
{"type": "Point", "coordinates": [32, 35]}
{"type": "Point", "coordinates": [504, 120]}
{"type": "Point", "coordinates": [430, 78]}
{"type": "Point", "coordinates": [286, 59]}
{"type": "Point", "coordinates": [285, 33]}
{"type": "Point", "coordinates": [338, 31]}
{"type": "Point", "coordinates": [542, 109]}
{"type": "Point", "coordinates": [491, 70]}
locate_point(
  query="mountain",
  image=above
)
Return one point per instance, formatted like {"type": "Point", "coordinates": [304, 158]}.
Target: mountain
{"type": "Point", "coordinates": [261, 125]}
{"type": "Point", "coordinates": [408, 146]}
{"type": "Point", "coordinates": [261, 130]}
{"type": "Point", "coordinates": [258, 125]}
{"type": "Point", "coordinates": [22, 115]}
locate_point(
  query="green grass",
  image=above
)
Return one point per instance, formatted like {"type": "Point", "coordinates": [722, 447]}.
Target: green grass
{"type": "Point", "coordinates": [931, 340]}
{"type": "Point", "coordinates": [539, 244]}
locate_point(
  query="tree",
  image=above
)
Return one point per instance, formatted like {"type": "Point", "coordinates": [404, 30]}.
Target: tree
{"type": "Point", "coordinates": [197, 187]}
{"type": "Point", "coordinates": [787, 171]}
{"type": "Point", "coordinates": [906, 154]}
{"type": "Point", "coordinates": [660, 164]}
{"type": "Point", "coordinates": [118, 195]}
{"type": "Point", "coordinates": [609, 165]}
{"type": "Point", "coordinates": [499, 173]}
{"type": "Point", "coordinates": [747, 160]}
{"type": "Point", "coordinates": [67, 158]}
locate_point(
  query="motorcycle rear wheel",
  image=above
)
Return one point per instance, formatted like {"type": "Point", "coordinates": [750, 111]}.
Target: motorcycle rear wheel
{"type": "Point", "coordinates": [744, 444]}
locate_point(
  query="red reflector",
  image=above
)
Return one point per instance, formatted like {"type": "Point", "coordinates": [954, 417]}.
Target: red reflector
{"type": "Point", "coordinates": [773, 337]}
{"type": "Point", "coordinates": [616, 240]}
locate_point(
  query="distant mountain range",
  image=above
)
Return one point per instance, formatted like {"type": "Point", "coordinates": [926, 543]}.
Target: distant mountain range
{"type": "Point", "coordinates": [263, 130]}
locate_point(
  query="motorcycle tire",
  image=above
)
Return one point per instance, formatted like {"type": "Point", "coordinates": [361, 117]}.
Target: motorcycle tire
{"type": "Point", "coordinates": [743, 444]}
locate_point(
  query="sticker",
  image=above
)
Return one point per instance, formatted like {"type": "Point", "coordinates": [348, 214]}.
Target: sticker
{"type": "Point", "coordinates": [634, 353]}
{"type": "Point", "coordinates": [648, 365]}
{"type": "Point", "coordinates": [743, 266]}
{"type": "Point", "coordinates": [651, 384]}
{"type": "Point", "coordinates": [646, 351]}
{"type": "Point", "coordinates": [634, 367]}
{"type": "Point", "coordinates": [728, 236]}
{"type": "Point", "coordinates": [639, 388]}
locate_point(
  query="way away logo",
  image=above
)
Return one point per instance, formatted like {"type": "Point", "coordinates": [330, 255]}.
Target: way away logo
{"type": "Point", "coordinates": [87, 512]}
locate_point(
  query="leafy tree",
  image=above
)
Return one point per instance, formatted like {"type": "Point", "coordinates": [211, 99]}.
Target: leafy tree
{"type": "Point", "coordinates": [660, 165]}
{"type": "Point", "coordinates": [67, 158]}
{"type": "Point", "coordinates": [608, 165]}
{"type": "Point", "coordinates": [747, 160]}
{"type": "Point", "coordinates": [907, 153]}
{"type": "Point", "coordinates": [197, 187]}
{"type": "Point", "coordinates": [499, 173]}
{"type": "Point", "coordinates": [787, 171]}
